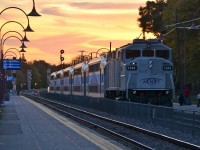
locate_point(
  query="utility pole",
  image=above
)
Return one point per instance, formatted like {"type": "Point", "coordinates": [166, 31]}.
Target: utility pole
{"type": "Point", "coordinates": [179, 53]}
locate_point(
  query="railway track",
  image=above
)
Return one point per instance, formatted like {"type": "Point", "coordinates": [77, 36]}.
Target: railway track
{"type": "Point", "coordinates": [131, 135]}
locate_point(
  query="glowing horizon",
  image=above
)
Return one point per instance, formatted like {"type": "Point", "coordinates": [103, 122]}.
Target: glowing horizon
{"type": "Point", "coordinates": [72, 26]}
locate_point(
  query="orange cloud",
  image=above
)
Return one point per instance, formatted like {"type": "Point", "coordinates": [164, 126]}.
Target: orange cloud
{"type": "Point", "coordinates": [105, 5]}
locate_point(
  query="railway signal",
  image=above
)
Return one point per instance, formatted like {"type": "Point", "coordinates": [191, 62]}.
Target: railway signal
{"type": "Point", "coordinates": [62, 59]}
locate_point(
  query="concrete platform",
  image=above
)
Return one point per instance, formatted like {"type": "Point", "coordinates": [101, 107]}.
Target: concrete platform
{"type": "Point", "coordinates": [26, 125]}
{"type": "Point", "coordinates": [186, 107]}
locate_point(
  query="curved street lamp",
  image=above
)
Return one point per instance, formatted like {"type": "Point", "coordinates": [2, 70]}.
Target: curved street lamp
{"type": "Point", "coordinates": [3, 41]}
{"type": "Point", "coordinates": [25, 38]}
{"type": "Point", "coordinates": [28, 28]}
{"type": "Point", "coordinates": [90, 54]}
{"type": "Point", "coordinates": [34, 12]}
{"type": "Point", "coordinates": [8, 55]}
{"type": "Point", "coordinates": [10, 50]}
{"type": "Point", "coordinates": [108, 50]}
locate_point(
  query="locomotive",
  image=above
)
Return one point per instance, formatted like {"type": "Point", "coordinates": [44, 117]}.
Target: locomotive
{"type": "Point", "coordinates": [140, 72]}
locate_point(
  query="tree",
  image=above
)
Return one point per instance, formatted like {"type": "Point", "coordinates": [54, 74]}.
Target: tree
{"type": "Point", "coordinates": [151, 17]}
{"type": "Point", "coordinates": [186, 10]}
{"type": "Point", "coordinates": [39, 74]}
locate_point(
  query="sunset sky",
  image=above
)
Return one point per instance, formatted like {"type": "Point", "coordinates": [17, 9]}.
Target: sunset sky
{"type": "Point", "coordinates": [71, 25]}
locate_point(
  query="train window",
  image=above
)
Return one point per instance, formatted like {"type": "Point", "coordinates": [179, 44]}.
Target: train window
{"type": "Point", "coordinates": [77, 88]}
{"type": "Point", "coordinates": [132, 54]}
{"type": "Point", "coordinates": [66, 74]}
{"type": "Point", "coordinates": [118, 54]}
{"type": "Point", "coordinates": [95, 67]}
{"type": "Point", "coordinates": [121, 55]}
{"type": "Point", "coordinates": [58, 76]}
{"type": "Point", "coordinates": [93, 88]}
{"type": "Point", "coordinates": [109, 56]}
{"type": "Point", "coordinates": [114, 55]}
{"type": "Point", "coordinates": [148, 53]}
{"type": "Point", "coordinates": [77, 71]}
{"type": "Point", "coordinates": [162, 53]}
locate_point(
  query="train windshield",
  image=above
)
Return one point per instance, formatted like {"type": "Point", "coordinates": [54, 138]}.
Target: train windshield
{"type": "Point", "coordinates": [147, 53]}
{"type": "Point", "coordinates": [77, 71]}
{"type": "Point", "coordinates": [162, 53]}
{"type": "Point", "coordinates": [132, 54]}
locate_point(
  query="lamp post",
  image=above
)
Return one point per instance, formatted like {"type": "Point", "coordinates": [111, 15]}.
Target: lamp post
{"type": "Point", "coordinates": [85, 66]}
{"type": "Point", "coordinates": [34, 12]}
{"type": "Point", "coordinates": [10, 50]}
{"type": "Point", "coordinates": [108, 50]}
{"type": "Point", "coordinates": [25, 30]}
{"type": "Point", "coordinates": [23, 38]}
{"type": "Point", "coordinates": [13, 72]}
{"type": "Point", "coordinates": [3, 41]}
{"type": "Point", "coordinates": [28, 29]}
{"type": "Point", "coordinates": [8, 55]}
{"type": "Point", "coordinates": [2, 69]}
{"type": "Point", "coordinates": [28, 26]}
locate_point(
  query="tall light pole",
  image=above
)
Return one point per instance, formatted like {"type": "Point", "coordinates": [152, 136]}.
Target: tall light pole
{"type": "Point", "coordinates": [28, 28]}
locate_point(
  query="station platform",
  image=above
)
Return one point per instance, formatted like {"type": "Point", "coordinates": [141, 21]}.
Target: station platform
{"type": "Point", "coordinates": [27, 125]}
{"type": "Point", "coordinates": [186, 107]}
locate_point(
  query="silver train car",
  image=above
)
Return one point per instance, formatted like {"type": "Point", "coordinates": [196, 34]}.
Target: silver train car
{"type": "Point", "coordinates": [86, 78]}
{"type": "Point", "coordinates": [140, 72]}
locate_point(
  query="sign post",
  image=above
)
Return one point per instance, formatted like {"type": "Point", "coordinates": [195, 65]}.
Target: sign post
{"type": "Point", "coordinates": [29, 78]}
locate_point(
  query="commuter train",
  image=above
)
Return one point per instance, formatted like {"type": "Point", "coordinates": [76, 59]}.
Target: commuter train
{"type": "Point", "coordinates": [140, 72]}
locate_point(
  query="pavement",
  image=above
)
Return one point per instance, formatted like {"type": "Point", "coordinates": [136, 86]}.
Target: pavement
{"type": "Point", "coordinates": [27, 125]}
{"type": "Point", "coordinates": [186, 107]}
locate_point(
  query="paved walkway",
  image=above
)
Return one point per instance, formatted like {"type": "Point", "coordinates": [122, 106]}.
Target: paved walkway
{"type": "Point", "coordinates": [26, 125]}
{"type": "Point", "coordinates": [186, 107]}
